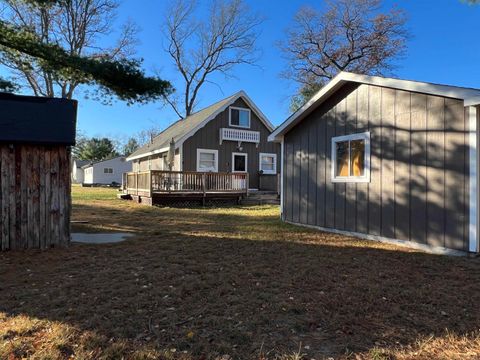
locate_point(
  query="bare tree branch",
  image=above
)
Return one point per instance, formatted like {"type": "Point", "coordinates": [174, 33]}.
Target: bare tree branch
{"type": "Point", "coordinates": [75, 25]}
{"type": "Point", "coordinates": [200, 49]}
{"type": "Point", "coordinates": [349, 35]}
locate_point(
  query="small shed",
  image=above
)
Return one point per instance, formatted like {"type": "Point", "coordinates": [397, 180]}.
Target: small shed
{"type": "Point", "coordinates": [385, 159]}
{"type": "Point", "coordinates": [35, 202]}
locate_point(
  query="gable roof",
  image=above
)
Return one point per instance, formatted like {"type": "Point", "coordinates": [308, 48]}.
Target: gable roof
{"type": "Point", "coordinates": [81, 163]}
{"type": "Point", "coordinates": [184, 128]}
{"type": "Point", "coordinates": [91, 163]}
{"type": "Point", "coordinates": [469, 95]}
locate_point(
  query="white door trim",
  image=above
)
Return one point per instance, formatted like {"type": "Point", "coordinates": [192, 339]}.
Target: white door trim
{"type": "Point", "coordinates": [245, 155]}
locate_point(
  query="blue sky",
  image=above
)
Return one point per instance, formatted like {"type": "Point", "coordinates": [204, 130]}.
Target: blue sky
{"type": "Point", "coordinates": [443, 49]}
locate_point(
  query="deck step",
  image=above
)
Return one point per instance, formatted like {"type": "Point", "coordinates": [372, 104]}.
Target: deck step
{"type": "Point", "coordinates": [261, 198]}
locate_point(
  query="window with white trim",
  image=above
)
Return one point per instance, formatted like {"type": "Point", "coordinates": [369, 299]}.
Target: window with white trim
{"type": "Point", "coordinates": [239, 162]}
{"type": "Point", "coordinates": [351, 158]}
{"type": "Point", "coordinates": [239, 117]}
{"type": "Point", "coordinates": [268, 163]}
{"type": "Point", "coordinates": [107, 170]}
{"type": "Point", "coordinates": [207, 160]}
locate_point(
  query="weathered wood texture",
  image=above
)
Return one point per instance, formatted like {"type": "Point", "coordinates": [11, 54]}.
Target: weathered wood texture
{"type": "Point", "coordinates": [34, 196]}
{"type": "Point", "coordinates": [419, 167]}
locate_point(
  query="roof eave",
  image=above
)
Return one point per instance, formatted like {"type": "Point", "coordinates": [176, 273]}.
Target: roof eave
{"type": "Point", "coordinates": [470, 96]}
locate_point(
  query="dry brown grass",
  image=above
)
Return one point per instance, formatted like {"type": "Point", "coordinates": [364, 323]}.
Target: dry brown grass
{"type": "Point", "coordinates": [206, 283]}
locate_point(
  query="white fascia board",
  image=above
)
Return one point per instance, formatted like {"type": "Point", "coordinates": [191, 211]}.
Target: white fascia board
{"type": "Point", "coordinates": [153, 152]}
{"type": "Point", "coordinates": [470, 96]}
{"type": "Point", "coordinates": [298, 115]}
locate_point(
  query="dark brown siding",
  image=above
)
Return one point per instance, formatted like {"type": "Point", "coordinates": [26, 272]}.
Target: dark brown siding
{"type": "Point", "coordinates": [34, 196]}
{"type": "Point", "coordinates": [208, 137]}
{"type": "Point", "coordinates": [419, 167]}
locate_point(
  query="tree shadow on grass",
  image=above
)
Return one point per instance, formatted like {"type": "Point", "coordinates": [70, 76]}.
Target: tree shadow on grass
{"type": "Point", "coordinates": [220, 281]}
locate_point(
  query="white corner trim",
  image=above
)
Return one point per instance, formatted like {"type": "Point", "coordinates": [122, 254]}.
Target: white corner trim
{"type": "Point", "coordinates": [473, 181]}
{"type": "Point", "coordinates": [245, 155]}
{"type": "Point", "coordinates": [230, 108]}
{"type": "Point", "coordinates": [438, 250]}
{"type": "Point", "coordinates": [267, 172]}
{"type": "Point", "coordinates": [207, 151]}
{"type": "Point", "coordinates": [351, 179]}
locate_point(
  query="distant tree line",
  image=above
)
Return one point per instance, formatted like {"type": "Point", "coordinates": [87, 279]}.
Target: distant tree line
{"type": "Point", "coordinates": [101, 148]}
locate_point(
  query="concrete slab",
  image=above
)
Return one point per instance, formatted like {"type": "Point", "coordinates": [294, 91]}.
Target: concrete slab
{"type": "Point", "coordinates": [100, 238]}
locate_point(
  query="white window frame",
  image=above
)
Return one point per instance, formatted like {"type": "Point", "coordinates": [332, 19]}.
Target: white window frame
{"type": "Point", "coordinates": [351, 179]}
{"type": "Point", "coordinates": [243, 109]}
{"type": "Point", "coordinates": [268, 172]}
{"type": "Point", "coordinates": [245, 155]}
{"type": "Point", "coordinates": [207, 151]}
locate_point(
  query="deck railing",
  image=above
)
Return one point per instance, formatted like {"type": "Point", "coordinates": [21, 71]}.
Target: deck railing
{"type": "Point", "coordinates": [147, 183]}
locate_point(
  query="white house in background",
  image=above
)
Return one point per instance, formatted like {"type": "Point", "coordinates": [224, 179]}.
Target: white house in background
{"type": "Point", "coordinates": [106, 172]}
{"type": "Point", "coordinates": [77, 171]}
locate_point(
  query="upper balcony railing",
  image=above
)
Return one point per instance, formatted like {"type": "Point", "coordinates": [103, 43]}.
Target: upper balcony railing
{"type": "Point", "coordinates": [239, 135]}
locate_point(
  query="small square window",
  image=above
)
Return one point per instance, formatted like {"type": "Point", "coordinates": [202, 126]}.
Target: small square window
{"type": "Point", "coordinates": [351, 158]}
{"type": "Point", "coordinates": [239, 117]}
{"type": "Point", "coordinates": [268, 163]}
{"type": "Point", "coordinates": [207, 160]}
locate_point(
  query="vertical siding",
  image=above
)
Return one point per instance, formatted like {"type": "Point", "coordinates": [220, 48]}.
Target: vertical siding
{"type": "Point", "coordinates": [35, 196]}
{"type": "Point", "coordinates": [402, 165]}
{"type": "Point", "coordinates": [330, 195]}
{"type": "Point", "coordinates": [418, 169]}
{"type": "Point", "coordinates": [340, 188]}
{"type": "Point", "coordinates": [375, 185]}
{"type": "Point", "coordinates": [387, 166]}
{"type": "Point", "coordinates": [419, 160]}
{"type": "Point", "coordinates": [361, 199]}
{"type": "Point", "coordinates": [209, 138]}
{"type": "Point", "coordinates": [351, 188]}
{"type": "Point", "coordinates": [435, 170]}
{"type": "Point", "coordinates": [321, 166]}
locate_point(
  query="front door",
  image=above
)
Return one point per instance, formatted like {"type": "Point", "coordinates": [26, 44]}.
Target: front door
{"type": "Point", "coordinates": [239, 162]}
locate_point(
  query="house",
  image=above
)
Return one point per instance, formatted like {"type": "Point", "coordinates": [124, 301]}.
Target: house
{"type": "Point", "coordinates": [385, 159]}
{"type": "Point", "coordinates": [35, 139]}
{"type": "Point", "coordinates": [77, 171]}
{"type": "Point", "coordinates": [106, 172]}
{"type": "Point", "coordinates": [229, 136]}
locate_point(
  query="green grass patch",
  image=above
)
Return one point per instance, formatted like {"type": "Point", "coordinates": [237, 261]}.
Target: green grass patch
{"type": "Point", "coordinates": [93, 193]}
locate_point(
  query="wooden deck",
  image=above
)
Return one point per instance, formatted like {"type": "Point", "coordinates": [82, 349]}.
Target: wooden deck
{"type": "Point", "coordinates": [158, 187]}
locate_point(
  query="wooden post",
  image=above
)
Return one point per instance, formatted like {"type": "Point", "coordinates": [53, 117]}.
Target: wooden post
{"type": "Point", "coordinates": [204, 190]}
{"type": "Point", "coordinates": [246, 183]}
{"type": "Point", "coordinates": [136, 183]}
{"type": "Point", "coordinates": [150, 183]}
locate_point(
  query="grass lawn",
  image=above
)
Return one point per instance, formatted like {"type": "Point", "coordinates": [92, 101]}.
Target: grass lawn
{"type": "Point", "coordinates": [231, 283]}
